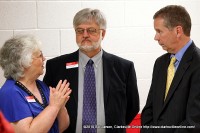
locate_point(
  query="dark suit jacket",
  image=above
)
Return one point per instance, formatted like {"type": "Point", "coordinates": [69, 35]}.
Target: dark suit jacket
{"type": "Point", "coordinates": [182, 105]}
{"type": "Point", "coordinates": [121, 99]}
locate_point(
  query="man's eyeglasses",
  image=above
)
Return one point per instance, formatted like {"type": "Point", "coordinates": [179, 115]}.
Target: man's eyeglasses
{"type": "Point", "coordinates": [91, 31]}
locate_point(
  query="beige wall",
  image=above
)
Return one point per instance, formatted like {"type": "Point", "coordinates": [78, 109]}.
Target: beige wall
{"type": "Point", "coordinates": [130, 30]}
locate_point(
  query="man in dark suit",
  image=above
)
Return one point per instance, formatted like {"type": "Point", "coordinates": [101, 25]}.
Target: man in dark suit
{"type": "Point", "coordinates": [176, 109]}
{"type": "Point", "coordinates": [117, 99]}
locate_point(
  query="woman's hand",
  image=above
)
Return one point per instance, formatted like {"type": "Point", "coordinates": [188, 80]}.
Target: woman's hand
{"type": "Point", "coordinates": [59, 95]}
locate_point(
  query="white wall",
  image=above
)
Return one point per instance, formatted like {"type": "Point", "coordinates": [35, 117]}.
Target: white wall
{"type": "Point", "coordinates": [130, 32]}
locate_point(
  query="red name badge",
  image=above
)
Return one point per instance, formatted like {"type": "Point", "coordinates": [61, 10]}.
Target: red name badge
{"type": "Point", "coordinates": [30, 99]}
{"type": "Point", "coordinates": [71, 65]}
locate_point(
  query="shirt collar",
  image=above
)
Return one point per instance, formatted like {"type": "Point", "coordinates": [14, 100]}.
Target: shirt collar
{"type": "Point", "coordinates": [181, 52]}
{"type": "Point", "coordinates": [96, 59]}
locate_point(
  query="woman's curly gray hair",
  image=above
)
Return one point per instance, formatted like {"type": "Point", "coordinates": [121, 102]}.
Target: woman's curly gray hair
{"type": "Point", "coordinates": [16, 55]}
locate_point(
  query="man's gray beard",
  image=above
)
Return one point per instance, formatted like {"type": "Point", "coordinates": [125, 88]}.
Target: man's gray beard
{"type": "Point", "coordinates": [90, 47]}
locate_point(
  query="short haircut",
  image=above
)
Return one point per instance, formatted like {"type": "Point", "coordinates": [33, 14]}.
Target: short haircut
{"type": "Point", "coordinates": [89, 15]}
{"type": "Point", "coordinates": [175, 15]}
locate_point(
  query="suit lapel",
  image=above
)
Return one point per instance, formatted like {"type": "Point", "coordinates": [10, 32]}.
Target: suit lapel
{"type": "Point", "coordinates": [161, 83]}
{"type": "Point", "coordinates": [107, 69]}
{"type": "Point", "coordinates": [72, 76]}
{"type": "Point", "coordinates": [184, 64]}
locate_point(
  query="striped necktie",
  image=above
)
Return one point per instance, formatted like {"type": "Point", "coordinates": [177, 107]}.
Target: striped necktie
{"type": "Point", "coordinates": [170, 74]}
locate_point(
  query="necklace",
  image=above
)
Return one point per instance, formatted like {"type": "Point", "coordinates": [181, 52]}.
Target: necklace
{"type": "Point", "coordinates": [44, 104]}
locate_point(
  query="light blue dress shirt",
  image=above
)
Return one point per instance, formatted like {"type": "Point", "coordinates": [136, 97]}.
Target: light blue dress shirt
{"type": "Point", "coordinates": [180, 54]}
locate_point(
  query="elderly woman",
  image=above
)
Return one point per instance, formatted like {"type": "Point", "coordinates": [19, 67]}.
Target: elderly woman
{"type": "Point", "coordinates": [26, 102]}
